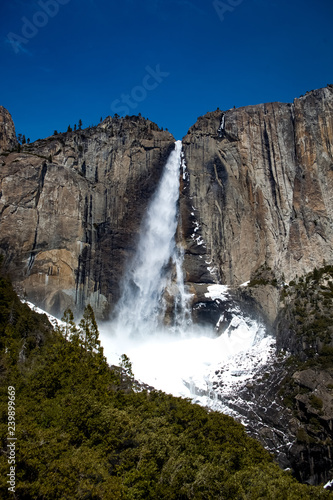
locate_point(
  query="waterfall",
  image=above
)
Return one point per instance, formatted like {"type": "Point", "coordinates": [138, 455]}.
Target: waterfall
{"type": "Point", "coordinates": [152, 320]}
{"type": "Point", "coordinates": [182, 313]}
{"type": "Point", "coordinates": [141, 307]}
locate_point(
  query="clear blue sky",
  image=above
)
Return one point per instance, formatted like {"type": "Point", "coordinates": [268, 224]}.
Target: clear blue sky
{"type": "Point", "coordinates": [170, 60]}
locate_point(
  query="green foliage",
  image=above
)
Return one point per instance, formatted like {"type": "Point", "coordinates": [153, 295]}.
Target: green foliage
{"type": "Point", "coordinates": [302, 436]}
{"type": "Point", "coordinates": [263, 276]}
{"type": "Point", "coordinates": [126, 369]}
{"type": "Point", "coordinates": [70, 329]}
{"type": "Point", "coordinates": [81, 437]}
{"type": "Point", "coordinates": [308, 316]}
{"type": "Point", "coordinates": [258, 282]}
{"type": "Point", "coordinates": [89, 330]}
{"type": "Point", "coordinates": [21, 331]}
{"type": "Point", "coordinates": [310, 300]}
{"type": "Point", "coordinates": [316, 402]}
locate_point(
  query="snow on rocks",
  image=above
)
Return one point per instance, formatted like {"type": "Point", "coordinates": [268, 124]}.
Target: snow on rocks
{"type": "Point", "coordinates": [183, 164]}
{"type": "Point", "coordinates": [217, 292]}
{"type": "Point", "coordinates": [52, 319]}
{"type": "Point", "coordinates": [329, 484]}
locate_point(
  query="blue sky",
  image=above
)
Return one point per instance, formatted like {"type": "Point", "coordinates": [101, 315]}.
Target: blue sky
{"type": "Point", "coordinates": [170, 60]}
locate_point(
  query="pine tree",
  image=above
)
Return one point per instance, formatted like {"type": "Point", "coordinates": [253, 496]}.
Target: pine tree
{"type": "Point", "coordinates": [69, 129]}
{"type": "Point", "coordinates": [89, 330]}
{"type": "Point", "coordinates": [70, 327]}
{"type": "Point", "coordinates": [126, 366]}
{"type": "Point", "coordinates": [80, 124]}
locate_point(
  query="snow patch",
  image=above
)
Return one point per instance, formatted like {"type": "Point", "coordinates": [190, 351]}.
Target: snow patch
{"type": "Point", "coordinates": [329, 484]}
{"type": "Point", "coordinates": [52, 319]}
{"type": "Point", "coordinates": [183, 165]}
{"type": "Point", "coordinates": [217, 292]}
{"type": "Point", "coordinates": [209, 370]}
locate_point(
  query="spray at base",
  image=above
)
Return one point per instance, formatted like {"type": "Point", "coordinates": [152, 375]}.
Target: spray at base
{"type": "Point", "coordinates": [141, 307]}
{"type": "Point", "coordinates": [180, 358]}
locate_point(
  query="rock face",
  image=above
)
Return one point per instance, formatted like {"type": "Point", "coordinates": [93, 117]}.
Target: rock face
{"type": "Point", "coordinates": [71, 208]}
{"type": "Point", "coordinates": [255, 204]}
{"type": "Point", "coordinates": [7, 131]}
{"type": "Point", "coordinates": [259, 187]}
{"type": "Point", "coordinates": [256, 191]}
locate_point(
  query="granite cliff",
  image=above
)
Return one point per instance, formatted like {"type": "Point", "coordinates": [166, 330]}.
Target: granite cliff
{"type": "Point", "coordinates": [71, 207]}
{"type": "Point", "coordinates": [255, 206]}
{"type": "Point", "coordinates": [258, 192]}
{"type": "Point", "coordinates": [7, 131]}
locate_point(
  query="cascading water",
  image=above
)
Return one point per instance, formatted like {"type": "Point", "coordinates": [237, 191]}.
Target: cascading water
{"type": "Point", "coordinates": [178, 358]}
{"type": "Point", "coordinates": [141, 307]}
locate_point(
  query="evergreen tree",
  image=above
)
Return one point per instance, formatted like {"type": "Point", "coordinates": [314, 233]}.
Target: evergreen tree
{"type": "Point", "coordinates": [126, 366]}
{"type": "Point", "coordinates": [316, 274]}
{"type": "Point", "coordinates": [24, 140]}
{"type": "Point", "coordinates": [89, 330]}
{"type": "Point", "coordinates": [75, 127]}
{"type": "Point", "coordinates": [70, 327]}
{"type": "Point", "coordinates": [80, 124]}
{"type": "Point", "coordinates": [69, 129]}
{"type": "Point", "coordinates": [81, 436]}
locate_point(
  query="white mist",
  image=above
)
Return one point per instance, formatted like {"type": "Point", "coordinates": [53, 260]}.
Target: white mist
{"type": "Point", "coordinates": [141, 307]}
{"type": "Point", "coordinates": [180, 359]}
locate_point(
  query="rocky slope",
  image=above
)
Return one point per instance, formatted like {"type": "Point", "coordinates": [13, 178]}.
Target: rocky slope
{"type": "Point", "coordinates": [256, 205]}
{"type": "Point", "coordinates": [71, 207]}
{"type": "Point", "coordinates": [258, 192]}
{"type": "Point", "coordinates": [282, 390]}
{"type": "Point", "coordinates": [7, 131]}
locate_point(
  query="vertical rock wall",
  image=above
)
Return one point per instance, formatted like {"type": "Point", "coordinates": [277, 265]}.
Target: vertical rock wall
{"type": "Point", "coordinates": [260, 187]}
{"type": "Point", "coordinates": [71, 208]}
{"type": "Point", "coordinates": [7, 131]}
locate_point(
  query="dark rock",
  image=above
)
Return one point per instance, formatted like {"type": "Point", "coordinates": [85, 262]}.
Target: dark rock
{"type": "Point", "coordinates": [66, 230]}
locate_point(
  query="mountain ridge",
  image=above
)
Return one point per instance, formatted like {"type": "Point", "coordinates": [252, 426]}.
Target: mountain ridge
{"type": "Point", "coordinates": [255, 206]}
